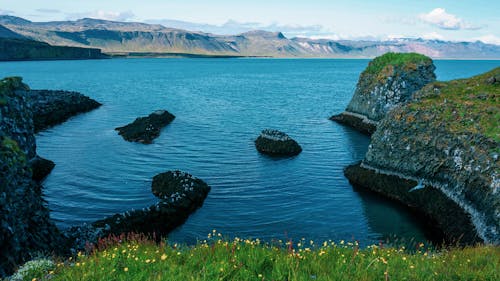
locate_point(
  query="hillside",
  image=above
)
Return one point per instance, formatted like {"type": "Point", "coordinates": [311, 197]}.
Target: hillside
{"type": "Point", "coordinates": [14, 46]}
{"type": "Point", "coordinates": [131, 37]}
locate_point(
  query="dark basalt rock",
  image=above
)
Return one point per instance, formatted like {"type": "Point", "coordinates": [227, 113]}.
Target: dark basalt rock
{"type": "Point", "coordinates": [452, 148]}
{"type": "Point", "coordinates": [25, 226]}
{"type": "Point", "coordinates": [442, 213]}
{"type": "Point", "coordinates": [179, 195]}
{"type": "Point", "coordinates": [145, 129]}
{"type": "Point", "coordinates": [41, 168]}
{"type": "Point", "coordinates": [276, 143]}
{"type": "Point", "coordinates": [54, 107]}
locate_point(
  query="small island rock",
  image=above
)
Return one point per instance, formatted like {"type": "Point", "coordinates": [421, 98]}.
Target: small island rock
{"type": "Point", "coordinates": [145, 129]}
{"type": "Point", "coordinates": [276, 143]}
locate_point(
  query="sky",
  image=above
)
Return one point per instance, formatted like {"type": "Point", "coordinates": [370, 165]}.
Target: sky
{"type": "Point", "coordinates": [456, 20]}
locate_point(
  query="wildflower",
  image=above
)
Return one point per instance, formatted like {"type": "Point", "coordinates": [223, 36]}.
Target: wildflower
{"type": "Point", "coordinates": [124, 251]}
{"type": "Point", "coordinates": [163, 257]}
{"type": "Point", "coordinates": [125, 269]}
{"type": "Point", "coordinates": [404, 258]}
{"type": "Point", "coordinates": [260, 275]}
{"type": "Point", "coordinates": [148, 261]}
{"type": "Point", "coordinates": [412, 267]}
{"type": "Point", "coordinates": [77, 264]}
{"type": "Point", "coordinates": [178, 253]}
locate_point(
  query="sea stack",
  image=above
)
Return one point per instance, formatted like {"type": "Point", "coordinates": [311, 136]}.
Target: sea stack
{"type": "Point", "coordinates": [448, 140]}
{"type": "Point", "coordinates": [276, 143]}
{"type": "Point", "coordinates": [388, 81]}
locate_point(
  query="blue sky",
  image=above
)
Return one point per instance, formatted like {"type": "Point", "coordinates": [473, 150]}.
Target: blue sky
{"type": "Point", "coordinates": [362, 19]}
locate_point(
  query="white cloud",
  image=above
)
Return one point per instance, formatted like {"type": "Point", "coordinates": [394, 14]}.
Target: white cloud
{"type": "Point", "coordinates": [432, 36]}
{"type": "Point", "coordinates": [489, 39]}
{"type": "Point", "coordinates": [440, 18]}
{"type": "Point", "coordinates": [104, 15]}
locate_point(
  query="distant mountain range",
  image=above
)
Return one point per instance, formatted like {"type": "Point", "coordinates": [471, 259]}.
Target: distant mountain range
{"type": "Point", "coordinates": [140, 38]}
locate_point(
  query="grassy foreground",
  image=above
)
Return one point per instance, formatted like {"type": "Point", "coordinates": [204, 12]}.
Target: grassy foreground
{"type": "Point", "coordinates": [221, 259]}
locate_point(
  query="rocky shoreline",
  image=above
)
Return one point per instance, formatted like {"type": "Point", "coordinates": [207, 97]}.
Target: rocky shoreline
{"type": "Point", "coordinates": [443, 213]}
{"type": "Point", "coordinates": [26, 229]}
{"type": "Point", "coordinates": [446, 151]}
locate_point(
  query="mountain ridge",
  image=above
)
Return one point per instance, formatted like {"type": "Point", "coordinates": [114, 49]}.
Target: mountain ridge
{"type": "Point", "coordinates": [134, 37]}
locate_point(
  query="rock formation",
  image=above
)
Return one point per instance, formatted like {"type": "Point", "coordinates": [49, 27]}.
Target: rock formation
{"type": "Point", "coordinates": [145, 129]}
{"type": "Point", "coordinates": [54, 107]}
{"type": "Point", "coordinates": [448, 138]}
{"type": "Point", "coordinates": [179, 195]}
{"type": "Point", "coordinates": [388, 81]}
{"type": "Point", "coordinates": [25, 227]}
{"type": "Point", "coordinates": [276, 143]}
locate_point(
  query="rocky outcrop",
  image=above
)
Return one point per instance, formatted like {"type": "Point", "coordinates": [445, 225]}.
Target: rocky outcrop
{"type": "Point", "coordinates": [276, 143]}
{"type": "Point", "coordinates": [25, 227]}
{"type": "Point", "coordinates": [54, 107]}
{"type": "Point", "coordinates": [145, 129]}
{"type": "Point", "coordinates": [388, 81]}
{"type": "Point", "coordinates": [448, 139]}
{"type": "Point", "coordinates": [179, 195]}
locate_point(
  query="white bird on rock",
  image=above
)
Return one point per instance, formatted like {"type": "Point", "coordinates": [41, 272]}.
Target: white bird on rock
{"type": "Point", "coordinates": [420, 185]}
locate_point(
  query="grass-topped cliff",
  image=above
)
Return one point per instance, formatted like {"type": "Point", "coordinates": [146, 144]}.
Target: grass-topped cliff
{"type": "Point", "coordinates": [244, 259]}
{"type": "Point", "coordinates": [466, 105]}
{"type": "Point", "coordinates": [447, 137]}
{"type": "Point", "coordinates": [388, 81]}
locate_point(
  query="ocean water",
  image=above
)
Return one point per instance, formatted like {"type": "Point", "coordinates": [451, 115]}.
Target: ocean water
{"type": "Point", "coordinates": [221, 105]}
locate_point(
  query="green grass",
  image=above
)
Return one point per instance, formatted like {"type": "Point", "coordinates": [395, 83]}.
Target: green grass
{"type": "Point", "coordinates": [221, 259]}
{"type": "Point", "coordinates": [396, 59]}
{"type": "Point", "coordinates": [466, 105]}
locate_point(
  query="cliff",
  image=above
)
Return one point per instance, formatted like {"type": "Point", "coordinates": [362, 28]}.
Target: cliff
{"type": "Point", "coordinates": [25, 227]}
{"type": "Point", "coordinates": [388, 81]}
{"type": "Point", "coordinates": [12, 49]}
{"type": "Point", "coordinates": [448, 140]}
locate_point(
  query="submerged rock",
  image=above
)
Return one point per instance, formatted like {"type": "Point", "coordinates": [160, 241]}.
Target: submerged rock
{"type": "Point", "coordinates": [276, 143]}
{"type": "Point", "coordinates": [145, 129]}
{"type": "Point", "coordinates": [388, 81]}
{"type": "Point", "coordinates": [448, 138]}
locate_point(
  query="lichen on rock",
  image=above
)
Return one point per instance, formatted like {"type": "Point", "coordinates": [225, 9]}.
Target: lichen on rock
{"type": "Point", "coordinates": [179, 195]}
{"type": "Point", "coordinates": [388, 81]}
{"type": "Point", "coordinates": [449, 137]}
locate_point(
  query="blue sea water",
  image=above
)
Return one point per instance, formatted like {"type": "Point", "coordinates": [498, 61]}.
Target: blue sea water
{"type": "Point", "coordinates": [221, 106]}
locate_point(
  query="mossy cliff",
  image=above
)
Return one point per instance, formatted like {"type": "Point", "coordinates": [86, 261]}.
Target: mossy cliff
{"type": "Point", "coordinates": [388, 81]}
{"type": "Point", "coordinates": [447, 138]}
{"type": "Point", "coordinates": [25, 228]}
